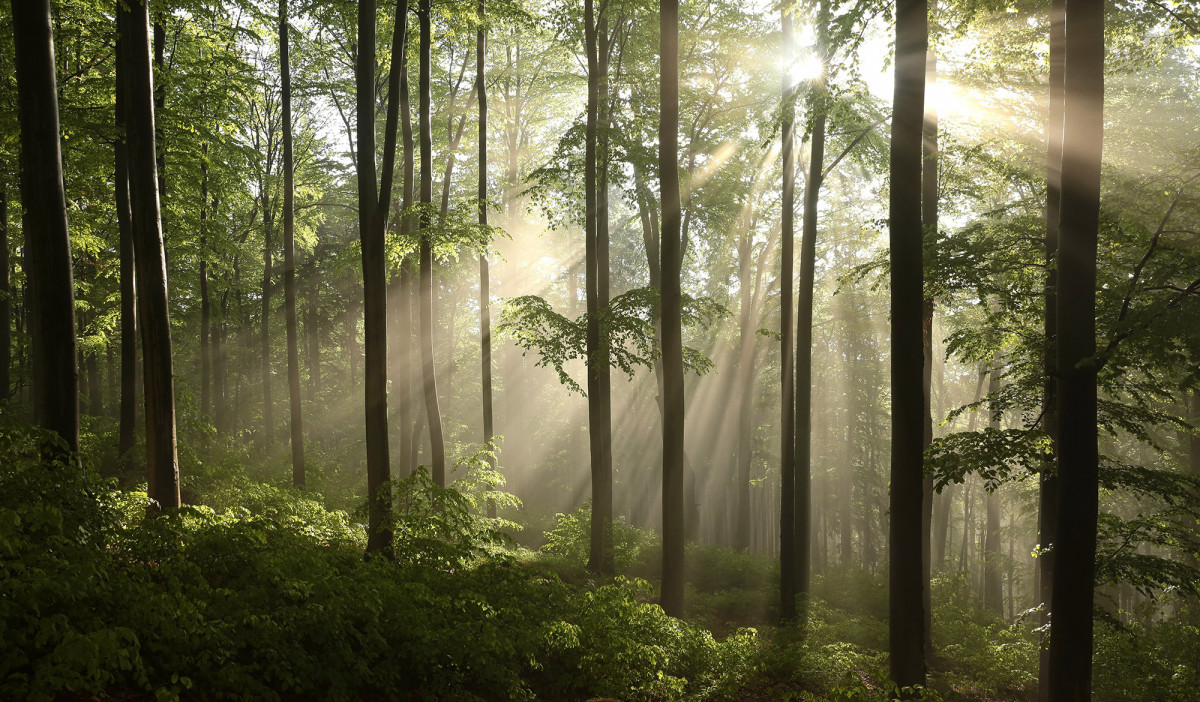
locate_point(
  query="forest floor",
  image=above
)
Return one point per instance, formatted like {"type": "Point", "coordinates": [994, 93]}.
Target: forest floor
{"type": "Point", "coordinates": [260, 592]}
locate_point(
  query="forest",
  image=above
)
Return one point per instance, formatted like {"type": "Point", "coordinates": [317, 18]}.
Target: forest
{"type": "Point", "coordinates": [636, 350]}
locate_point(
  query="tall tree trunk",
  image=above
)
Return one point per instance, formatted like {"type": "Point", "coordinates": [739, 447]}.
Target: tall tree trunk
{"type": "Point", "coordinates": [1048, 482]}
{"type": "Point", "coordinates": [289, 256]}
{"type": "Point", "coordinates": [5, 299]}
{"type": "Point", "coordinates": [159, 45]}
{"type": "Point", "coordinates": [1075, 340]}
{"type": "Point", "coordinates": [150, 260]}
{"type": "Point", "coordinates": [993, 593]}
{"type": "Point", "coordinates": [787, 420]}
{"type": "Point", "coordinates": [405, 367]}
{"type": "Point", "coordinates": [373, 207]}
{"type": "Point", "coordinates": [804, 318]}
{"type": "Point", "coordinates": [312, 329]}
{"type": "Point", "coordinates": [47, 244]}
{"type": "Point", "coordinates": [906, 594]}
{"type": "Point", "coordinates": [485, 312]}
{"type": "Point", "coordinates": [205, 304]}
{"type": "Point", "coordinates": [599, 424]}
{"type": "Point", "coordinates": [672, 324]}
{"type": "Point", "coordinates": [265, 321]}
{"type": "Point", "coordinates": [746, 376]}
{"type": "Point", "coordinates": [432, 409]}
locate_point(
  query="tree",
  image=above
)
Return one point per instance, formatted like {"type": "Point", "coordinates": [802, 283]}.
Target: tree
{"type": "Point", "coordinates": [5, 299]}
{"type": "Point", "coordinates": [485, 312]}
{"type": "Point", "coordinates": [672, 324]}
{"type": "Point", "coordinates": [149, 259]}
{"type": "Point", "coordinates": [47, 243]}
{"type": "Point", "coordinates": [289, 255]}
{"type": "Point", "coordinates": [1075, 341]}
{"type": "Point", "coordinates": [373, 208]}
{"type": "Point", "coordinates": [906, 586]}
{"type": "Point", "coordinates": [787, 417]}
{"type": "Point", "coordinates": [596, 284]}
{"type": "Point", "coordinates": [425, 295]}
{"type": "Point", "coordinates": [128, 410]}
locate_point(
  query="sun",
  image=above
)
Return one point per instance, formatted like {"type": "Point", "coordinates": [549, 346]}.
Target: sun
{"type": "Point", "coordinates": [806, 68]}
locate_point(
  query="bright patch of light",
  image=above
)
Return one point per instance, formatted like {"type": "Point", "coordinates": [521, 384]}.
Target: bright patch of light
{"type": "Point", "coordinates": [806, 69]}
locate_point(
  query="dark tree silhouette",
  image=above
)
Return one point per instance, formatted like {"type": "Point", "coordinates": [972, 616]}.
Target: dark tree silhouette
{"type": "Point", "coordinates": [787, 420]}
{"type": "Point", "coordinates": [289, 256]}
{"type": "Point", "coordinates": [672, 327]}
{"type": "Point", "coordinates": [1075, 341]}
{"type": "Point", "coordinates": [906, 583]}
{"type": "Point", "coordinates": [149, 259]}
{"type": "Point", "coordinates": [485, 312]}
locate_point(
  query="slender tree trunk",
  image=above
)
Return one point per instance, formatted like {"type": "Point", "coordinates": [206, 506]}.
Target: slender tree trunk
{"type": "Point", "coordinates": [289, 256]}
{"type": "Point", "coordinates": [47, 244]}
{"type": "Point", "coordinates": [374, 201]}
{"type": "Point", "coordinates": [205, 304]}
{"type": "Point", "coordinates": [432, 409]}
{"type": "Point", "coordinates": [672, 328]}
{"type": "Point", "coordinates": [993, 592]}
{"type": "Point", "coordinates": [599, 424]}
{"type": "Point", "coordinates": [1048, 483]}
{"type": "Point", "coordinates": [312, 329]}
{"type": "Point", "coordinates": [1075, 339]}
{"type": "Point", "coordinates": [802, 497]}
{"type": "Point", "coordinates": [787, 421]}
{"type": "Point", "coordinates": [906, 592]}
{"type": "Point", "coordinates": [150, 260]}
{"type": "Point", "coordinates": [5, 299]}
{"type": "Point", "coordinates": [485, 312]}
{"type": "Point", "coordinates": [406, 368]}
{"type": "Point", "coordinates": [265, 321]}
{"type": "Point", "coordinates": [746, 383]}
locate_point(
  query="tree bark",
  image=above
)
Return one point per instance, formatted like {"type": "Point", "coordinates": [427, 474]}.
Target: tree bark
{"type": "Point", "coordinates": [296, 423]}
{"type": "Point", "coordinates": [804, 320]}
{"type": "Point", "coordinates": [150, 261]}
{"type": "Point", "coordinates": [5, 299]}
{"type": "Point", "coordinates": [429, 375]}
{"type": "Point", "coordinates": [787, 421]}
{"type": "Point", "coordinates": [596, 276]}
{"type": "Point", "coordinates": [672, 327]}
{"type": "Point", "coordinates": [265, 321]}
{"type": "Point", "coordinates": [405, 368]}
{"type": "Point", "coordinates": [1075, 341]}
{"type": "Point", "coordinates": [205, 304]}
{"type": "Point", "coordinates": [374, 201]}
{"type": "Point", "coordinates": [485, 312]}
{"type": "Point", "coordinates": [993, 593]}
{"type": "Point", "coordinates": [47, 243]}
{"type": "Point", "coordinates": [906, 594]}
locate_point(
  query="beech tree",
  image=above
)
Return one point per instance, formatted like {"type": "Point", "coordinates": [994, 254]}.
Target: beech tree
{"type": "Point", "coordinates": [295, 423]}
{"type": "Point", "coordinates": [47, 243]}
{"type": "Point", "coordinates": [906, 585]}
{"type": "Point", "coordinates": [149, 258]}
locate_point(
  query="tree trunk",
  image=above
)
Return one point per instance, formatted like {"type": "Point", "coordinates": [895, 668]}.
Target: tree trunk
{"type": "Point", "coordinates": [432, 409]}
{"type": "Point", "coordinates": [1075, 340]}
{"type": "Point", "coordinates": [1048, 483]}
{"type": "Point", "coordinates": [746, 376]}
{"type": "Point", "coordinates": [47, 244]}
{"type": "Point", "coordinates": [787, 421]}
{"type": "Point", "coordinates": [373, 208]}
{"type": "Point", "coordinates": [929, 222]}
{"type": "Point", "coordinates": [405, 368]}
{"type": "Point", "coordinates": [150, 260]}
{"type": "Point", "coordinates": [265, 321]}
{"type": "Point", "coordinates": [599, 424]}
{"type": "Point", "coordinates": [993, 593]}
{"type": "Point", "coordinates": [289, 256]}
{"type": "Point", "coordinates": [906, 592]}
{"type": "Point", "coordinates": [672, 326]}
{"type": "Point", "coordinates": [485, 312]}
{"type": "Point", "coordinates": [5, 299]}
{"type": "Point", "coordinates": [802, 496]}
{"type": "Point", "coordinates": [205, 305]}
